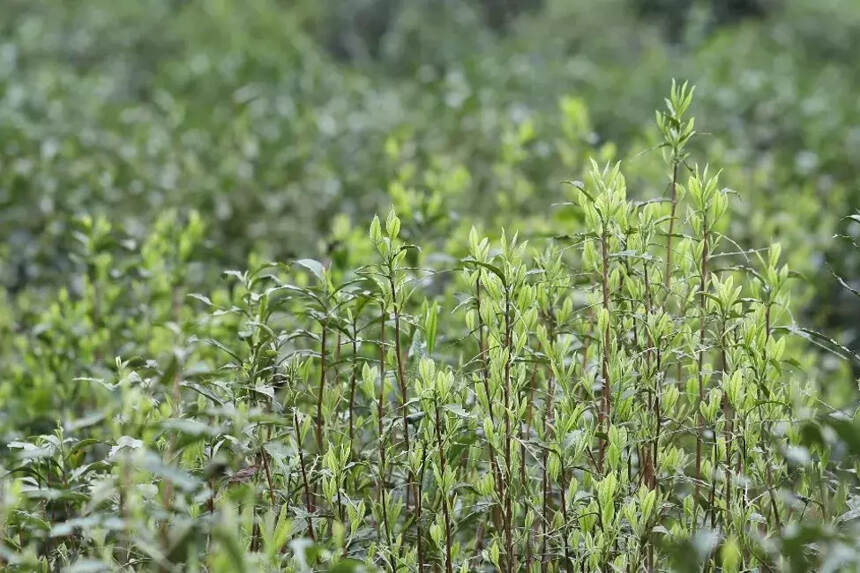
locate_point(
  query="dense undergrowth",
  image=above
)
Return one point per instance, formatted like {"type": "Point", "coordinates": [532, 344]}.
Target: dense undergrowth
{"type": "Point", "coordinates": [574, 338]}
{"type": "Point", "coordinates": [627, 394]}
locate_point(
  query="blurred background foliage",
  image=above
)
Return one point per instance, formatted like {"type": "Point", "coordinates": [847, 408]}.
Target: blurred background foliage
{"type": "Point", "coordinates": [284, 123]}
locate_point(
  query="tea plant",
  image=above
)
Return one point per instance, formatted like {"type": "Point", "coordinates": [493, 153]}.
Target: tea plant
{"type": "Point", "coordinates": [622, 397]}
{"type": "Point", "coordinates": [126, 109]}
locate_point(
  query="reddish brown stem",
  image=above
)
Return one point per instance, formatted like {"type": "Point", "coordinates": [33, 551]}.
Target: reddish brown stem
{"type": "Point", "coordinates": [447, 517]}
{"type": "Point", "coordinates": [668, 278]}
{"type": "Point", "coordinates": [309, 505]}
{"type": "Point", "coordinates": [352, 379]}
{"type": "Point", "coordinates": [703, 284]}
{"type": "Point", "coordinates": [321, 388]}
{"type": "Point", "coordinates": [509, 539]}
{"type": "Point", "coordinates": [380, 412]}
{"type": "Point", "coordinates": [606, 409]}
{"type": "Point", "coordinates": [485, 371]}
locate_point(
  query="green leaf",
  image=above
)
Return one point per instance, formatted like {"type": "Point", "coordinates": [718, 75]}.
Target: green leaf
{"type": "Point", "coordinates": [492, 268]}
{"type": "Point", "coordinates": [313, 266]}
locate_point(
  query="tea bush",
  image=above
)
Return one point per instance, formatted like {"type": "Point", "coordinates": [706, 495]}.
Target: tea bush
{"type": "Point", "coordinates": [243, 110]}
{"type": "Point", "coordinates": [505, 371]}
{"type": "Point", "coordinates": [629, 391]}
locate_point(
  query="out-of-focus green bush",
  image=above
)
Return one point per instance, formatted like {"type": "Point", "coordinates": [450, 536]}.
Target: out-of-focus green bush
{"type": "Point", "coordinates": [251, 114]}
